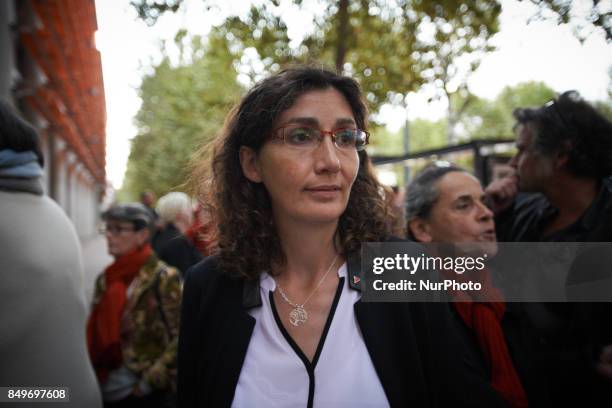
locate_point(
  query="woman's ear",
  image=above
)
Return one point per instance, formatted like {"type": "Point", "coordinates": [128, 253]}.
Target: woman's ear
{"type": "Point", "coordinates": [420, 230]}
{"type": "Point", "coordinates": [250, 164]}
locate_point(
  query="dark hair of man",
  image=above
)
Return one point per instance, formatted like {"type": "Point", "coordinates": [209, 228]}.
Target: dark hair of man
{"type": "Point", "coordinates": [422, 193]}
{"type": "Point", "coordinates": [245, 232]}
{"type": "Point", "coordinates": [17, 134]}
{"type": "Point", "coordinates": [572, 126]}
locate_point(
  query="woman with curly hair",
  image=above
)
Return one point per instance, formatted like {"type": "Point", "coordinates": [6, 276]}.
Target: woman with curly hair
{"type": "Point", "coordinates": [275, 317]}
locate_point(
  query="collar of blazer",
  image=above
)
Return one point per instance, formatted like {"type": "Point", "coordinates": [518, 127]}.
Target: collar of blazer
{"type": "Point", "coordinates": [251, 295]}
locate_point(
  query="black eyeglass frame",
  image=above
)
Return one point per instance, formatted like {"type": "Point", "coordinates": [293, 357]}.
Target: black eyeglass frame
{"type": "Point", "coordinates": [116, 230]}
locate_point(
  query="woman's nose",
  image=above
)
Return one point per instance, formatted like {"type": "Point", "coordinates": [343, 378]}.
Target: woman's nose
{"type": "Point", "coordinates": [326, 156]}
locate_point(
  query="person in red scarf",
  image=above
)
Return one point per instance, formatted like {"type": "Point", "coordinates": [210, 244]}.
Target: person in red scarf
{"type": "Point", "coordinates": [444, 204]}
{"type": "Point", "coordinates": [133, 327]}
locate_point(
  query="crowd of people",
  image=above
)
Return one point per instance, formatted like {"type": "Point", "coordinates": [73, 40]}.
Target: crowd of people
{"type": "Point", "coordinates": [254, 297]}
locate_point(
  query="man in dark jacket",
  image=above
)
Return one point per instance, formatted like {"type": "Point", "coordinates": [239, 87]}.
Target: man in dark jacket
{"type": "Point", "coordinates": [170, 242]}
{"type": "Point", "coordinates": [561, 191]}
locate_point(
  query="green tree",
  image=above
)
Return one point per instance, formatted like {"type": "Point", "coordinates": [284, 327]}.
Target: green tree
{"type": "Point", "coordinates": [183, 106]}
{"type": "Point", "coordinates": [391, 48]}
{"type": "Point", "coordinates": [424, 135]}
{"type": "Point", "coordinates": [383, 142]}
{"type": "Point", "coordinates": [593, 15]}
{"type": "Point", "coordinates": [493, 119]}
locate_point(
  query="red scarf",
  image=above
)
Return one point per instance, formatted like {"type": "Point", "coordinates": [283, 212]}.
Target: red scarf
{"type": "Point", "coordinates": [104, 325]}
{"type": "Point", "coordinates": [484, 317]}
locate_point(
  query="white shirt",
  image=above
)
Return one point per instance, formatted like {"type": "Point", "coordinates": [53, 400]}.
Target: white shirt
{"type": "Point", "coordinates": [274, 375]}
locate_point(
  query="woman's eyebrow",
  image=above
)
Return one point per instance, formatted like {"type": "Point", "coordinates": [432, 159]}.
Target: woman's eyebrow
{"type": "Point", "coordinates": [345, 121]}
{"type": "Point", "coordinates": [304, 121]}
{"type": "Point", "coordinates": [312, 121]}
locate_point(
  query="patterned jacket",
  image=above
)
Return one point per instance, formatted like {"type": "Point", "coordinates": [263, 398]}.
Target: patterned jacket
{"type": "Point", "coordinates": [149, 338]}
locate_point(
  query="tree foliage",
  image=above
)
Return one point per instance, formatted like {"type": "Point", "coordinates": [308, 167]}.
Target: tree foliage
{"type": "Point", "coordinates": [483, 119]}
{"type": "Point", "coordinates": [595, 14]}
{"type": "Point", "coordinates": [426, 134]}
{"type": "Point", "coordinates": [391, 48]}
{"type": "Point", "coordinates": [183, 106]}
{"type": "Point", "coordinates": [150, 10]}
{"type": "Point", "coordinates": [493, 118]}
{"type": "Point", "coordinates": [423, 135]}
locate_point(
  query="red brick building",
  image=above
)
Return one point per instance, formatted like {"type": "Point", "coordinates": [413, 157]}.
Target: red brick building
{"type": "Point", "coordinates": [51, 71]}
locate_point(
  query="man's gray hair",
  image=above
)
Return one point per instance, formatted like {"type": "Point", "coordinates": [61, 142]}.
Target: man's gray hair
{"type": "Point", "coordinates": [422, 193]}
{"type": "Point", "coordinates": [171, 205]}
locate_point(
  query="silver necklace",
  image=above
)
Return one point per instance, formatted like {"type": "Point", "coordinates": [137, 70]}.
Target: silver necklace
{"type": "Point", "coordinates": [298, 315]}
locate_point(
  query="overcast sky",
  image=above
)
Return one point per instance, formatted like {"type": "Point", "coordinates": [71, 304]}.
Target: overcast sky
{"type": "Point", "coordinates": [540, 51]}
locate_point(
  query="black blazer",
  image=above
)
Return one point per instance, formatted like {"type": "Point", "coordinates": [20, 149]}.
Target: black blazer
{"type": "Point", "coordinates": [416, 354]}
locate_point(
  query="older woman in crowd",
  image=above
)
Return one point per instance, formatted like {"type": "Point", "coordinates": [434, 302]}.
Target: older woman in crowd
{"type": "Point", "coordinates": [275, 318]}
{"type": "Point", "coordinates": [133, 327]}
{"type": "Point", "coordinates": [445, 204]}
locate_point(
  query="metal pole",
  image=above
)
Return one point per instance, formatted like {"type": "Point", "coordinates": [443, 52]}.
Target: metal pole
{"type": "Point", "coordinates": [406, 145]}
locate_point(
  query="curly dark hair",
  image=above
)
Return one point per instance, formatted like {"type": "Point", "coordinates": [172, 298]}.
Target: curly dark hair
{"type": "Point", "coordinates": [570, 125]}
{"type": "Point", "coordinates": [246, 236]}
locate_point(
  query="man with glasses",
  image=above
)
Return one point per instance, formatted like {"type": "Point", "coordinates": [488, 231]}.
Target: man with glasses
{"type": "Point", "coordinates": [561, 191]}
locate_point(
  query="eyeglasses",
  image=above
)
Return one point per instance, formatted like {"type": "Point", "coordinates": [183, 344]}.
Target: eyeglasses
{"type": "Point", "coordinates": [440, 163]}
{"type": "Point", "coordinates": [555, 104]}
{"type": "Point", "coordinates": [114, 229]}
{"type": "Point", "coordinates": [304, 137]}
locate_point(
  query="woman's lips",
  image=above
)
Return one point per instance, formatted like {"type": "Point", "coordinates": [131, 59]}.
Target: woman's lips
{"type": "Point", "coordinates": [324, 191]}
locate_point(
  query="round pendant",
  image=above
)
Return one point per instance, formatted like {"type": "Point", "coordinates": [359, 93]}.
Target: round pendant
{"type": "Point", "coordinates": [298, 316]}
